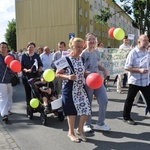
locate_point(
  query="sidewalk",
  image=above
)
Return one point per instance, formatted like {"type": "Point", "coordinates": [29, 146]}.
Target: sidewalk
{"type": "Point", "coordinates": [6, 141]}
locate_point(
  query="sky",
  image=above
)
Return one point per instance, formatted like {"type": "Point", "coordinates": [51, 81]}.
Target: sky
{"type": "Point", "coordinates": [7, 13]}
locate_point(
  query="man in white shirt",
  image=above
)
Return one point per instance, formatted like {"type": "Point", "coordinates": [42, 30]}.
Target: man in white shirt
{"type": "Point", "coordinates": [125, 45]}
{"type": "Point", "coordinates": [46, 58]}
{"type": "Point", "coordinates": [138, 66]}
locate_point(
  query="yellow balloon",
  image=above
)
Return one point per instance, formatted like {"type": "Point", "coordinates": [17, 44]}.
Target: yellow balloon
{"type": "Point", "coordinates": [49, 75]}
{"type": "Point", "coordinates": [34, 103]}
{"type": "Point", "coordinates": [118, 34]}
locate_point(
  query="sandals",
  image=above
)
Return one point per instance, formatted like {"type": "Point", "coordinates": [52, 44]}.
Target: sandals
{"type": "Point", "coordinates": [82, 136]}
{"type": "Point", "coordinates": [5, 118]}
{"type": "Point", "coordinates": [74, 139]}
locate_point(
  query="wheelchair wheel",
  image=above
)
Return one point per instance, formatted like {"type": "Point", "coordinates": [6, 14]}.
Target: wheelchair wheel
{"type": "Point", "coordinates": [43, 117]}
{"type": "Point", "coordinates": [61, 116]}
{"type": "Point", "coordinates": [29, 112]}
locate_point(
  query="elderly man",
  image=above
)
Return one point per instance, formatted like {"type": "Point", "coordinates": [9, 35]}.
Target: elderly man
{"type": "Point", "coordinates": [138, 66]}
{"type": "Point", "coordinates": [46, 58]}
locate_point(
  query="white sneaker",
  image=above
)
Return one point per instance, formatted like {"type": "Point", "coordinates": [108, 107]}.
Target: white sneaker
{"type": "Point", "coordinates": [87, 129]}
{"type": "Point", "coordinates": [103, 127]}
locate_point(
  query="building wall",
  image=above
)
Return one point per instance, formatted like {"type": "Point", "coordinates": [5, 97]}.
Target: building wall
{"type": "Point", "coordinates": [46, 22]}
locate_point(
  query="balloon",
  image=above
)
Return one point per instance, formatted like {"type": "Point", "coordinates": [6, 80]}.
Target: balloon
{"type": "Point", "coordinates": [34, 102]}
{"type": "Point", "coordinates": [94, 80]}
{"type": "Point", "coordinates": [49, 75]}
{"type": "Point", "coordinates": [118, 34]}
{"type": "Point", "coordinates": [8, 59]}
{"type": "Point", "coordinates": [15, 66]}
{"type": "Point", "coordinates": [110, 32]}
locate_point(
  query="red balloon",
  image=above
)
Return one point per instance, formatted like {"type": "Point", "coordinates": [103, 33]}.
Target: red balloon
{"type": "Point", "coordinates": [8, 59]}
{"type": "Point", "coordinates": [15, 66]}
{"type": "Point", "coordinates": [94, 80]}
{"type": "Point", "coordinates": [110, 32]}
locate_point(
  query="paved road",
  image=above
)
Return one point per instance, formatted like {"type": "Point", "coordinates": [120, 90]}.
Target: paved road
{"type": "Point", "coordinates": [24, 134]}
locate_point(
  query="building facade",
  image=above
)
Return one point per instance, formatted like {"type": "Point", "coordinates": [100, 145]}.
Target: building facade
{"type": "Point", "coordinates": [46, 22]}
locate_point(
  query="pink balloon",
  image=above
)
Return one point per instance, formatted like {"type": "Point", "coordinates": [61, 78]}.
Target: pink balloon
{"type": "Point", "coordinates": [94, 80]}
{"type": "Point", "coordinates": [8, 59]}
{"type": "Point", "coordinates": [15, 66]}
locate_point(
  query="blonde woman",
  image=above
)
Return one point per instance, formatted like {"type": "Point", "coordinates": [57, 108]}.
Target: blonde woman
{"type": "Point", "coordinates": [74, 97]}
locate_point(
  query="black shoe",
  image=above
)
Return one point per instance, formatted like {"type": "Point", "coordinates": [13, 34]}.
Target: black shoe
{"type": "Point", "coordinates": [5, 118]}
{"type": "Point", "coordinates": [129, 121]}
{"type": "Point", "coordinates": [10, 113]}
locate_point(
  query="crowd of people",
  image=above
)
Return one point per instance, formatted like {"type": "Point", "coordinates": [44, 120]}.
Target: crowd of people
{"type": "Point", "coordinates": [83, 59]}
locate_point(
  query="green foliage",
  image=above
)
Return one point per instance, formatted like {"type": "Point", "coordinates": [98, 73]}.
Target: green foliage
{"type": "Point", "coordinates": [105, 15]}
{"type": "Point", "coordinates": [138, 8]}
{"type": "Point", "coordinates": [10, 35]}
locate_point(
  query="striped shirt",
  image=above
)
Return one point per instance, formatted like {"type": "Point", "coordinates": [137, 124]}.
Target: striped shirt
{"type": "Point", "coordinates": [134, 60]}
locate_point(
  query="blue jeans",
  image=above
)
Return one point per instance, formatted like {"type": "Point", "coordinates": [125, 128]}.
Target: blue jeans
{"type": "Point", "coordinates": [102, 99]}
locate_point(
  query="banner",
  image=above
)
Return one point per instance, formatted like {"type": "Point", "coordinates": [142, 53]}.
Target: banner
{"type": "Point", "coordinates": [113, 59]}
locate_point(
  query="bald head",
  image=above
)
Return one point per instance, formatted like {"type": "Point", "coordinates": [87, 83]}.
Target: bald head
{"type": "Point", "coordinates": [46, 49]}
{"type": "Point", "coordinates": [143, 41]}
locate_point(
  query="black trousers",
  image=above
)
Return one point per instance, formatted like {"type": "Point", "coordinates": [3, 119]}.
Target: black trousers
{"type": "Point", "coordinates": [133, 90]}
{"type": "Point", "coordinates": [27, 90]}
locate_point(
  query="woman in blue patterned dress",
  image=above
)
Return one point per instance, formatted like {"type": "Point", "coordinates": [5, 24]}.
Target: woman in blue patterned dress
{"type": "Point", "coordinates": [74, 97]}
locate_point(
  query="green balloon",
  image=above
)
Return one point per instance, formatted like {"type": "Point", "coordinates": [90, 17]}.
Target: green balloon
{"type": "Point", "coordinates": [49, 75]}
{"type": "Point", "coordinates": [34, 103]}
{"type": "Point", "coordinates": [118, 34]}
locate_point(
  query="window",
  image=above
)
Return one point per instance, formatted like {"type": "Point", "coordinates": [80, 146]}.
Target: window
{"type": "Point", "coordinates": [80, 28]}
{"type": "Point", "coordinates": [99, 6]}
{"type": "Point", "coordinates": [80, 11]}
{"type": "Point", "coordinates": [91, 22]}
{"type": "Point", "coordinates": [86, 29]}
{"type": "Point", "coordinates": [85, 14]}
{"type": "Point", "coordinates": [91, 7]}
{"type": "Point", "coordinates": [99, 33]}
{"type": "Point", "coordinates": [95, 4]}
{"type": "Point", "coordinates": [95, 31]}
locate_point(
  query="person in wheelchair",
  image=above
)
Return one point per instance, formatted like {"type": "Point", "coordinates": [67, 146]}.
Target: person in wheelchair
{"type": "Point", "coordinates": [46, 92]}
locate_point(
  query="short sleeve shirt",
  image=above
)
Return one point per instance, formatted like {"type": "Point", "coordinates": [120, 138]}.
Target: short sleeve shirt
{"type": "Point", "coordinates": [91, 60]}
{"type": "Point", "coordinates": [133, 61]}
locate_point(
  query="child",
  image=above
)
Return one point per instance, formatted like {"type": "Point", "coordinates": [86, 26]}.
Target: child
{"type": "Point", "coordinates": [46, 91]}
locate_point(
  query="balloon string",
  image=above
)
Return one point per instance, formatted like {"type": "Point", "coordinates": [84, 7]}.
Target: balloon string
{"type": "Point", "coordinates": [4, 74]}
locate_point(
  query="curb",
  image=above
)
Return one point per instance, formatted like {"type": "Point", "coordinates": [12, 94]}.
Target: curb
{"type": "Point", "coordinates": [6, 142]}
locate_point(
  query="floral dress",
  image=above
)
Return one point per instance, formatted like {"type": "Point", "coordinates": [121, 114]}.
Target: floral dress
{"type": "Point", "coordinates": [74, 96]}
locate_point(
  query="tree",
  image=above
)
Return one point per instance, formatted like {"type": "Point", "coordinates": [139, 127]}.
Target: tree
{"type": "Point", "coordinates": [10, 35]}
{"type": "Point", "coordinates": [138, 8]}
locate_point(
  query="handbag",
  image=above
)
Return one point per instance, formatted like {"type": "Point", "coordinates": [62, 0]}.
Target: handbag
{"type": "Point", "coordinates": [15, 80]}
